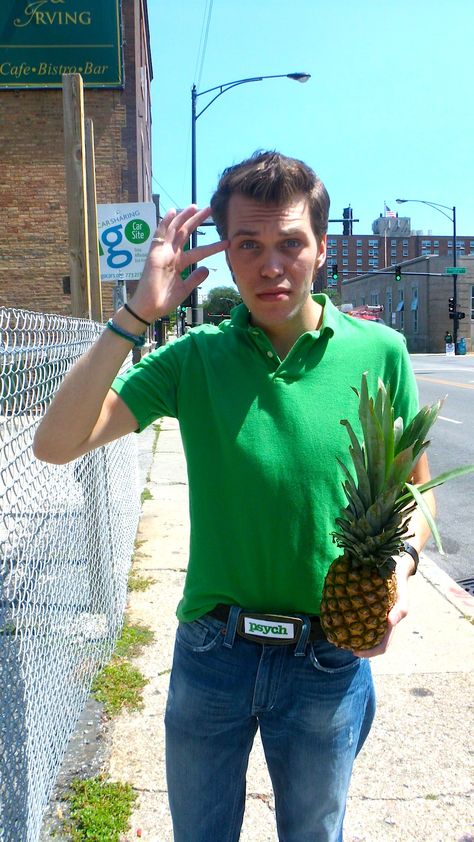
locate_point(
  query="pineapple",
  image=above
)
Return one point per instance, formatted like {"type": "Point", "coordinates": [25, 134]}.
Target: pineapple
{"type": "Point", "coordinates": [360, 586]}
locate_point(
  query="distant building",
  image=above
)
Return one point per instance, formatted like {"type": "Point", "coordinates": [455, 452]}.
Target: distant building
{"type": "Point", "coordinates": [391, 243]}
{"type": "Point", "coordinates": [417, 305]}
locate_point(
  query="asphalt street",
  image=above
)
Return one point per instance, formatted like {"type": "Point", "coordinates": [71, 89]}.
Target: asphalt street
{"type": "Point", "coordinates": [452, 445]}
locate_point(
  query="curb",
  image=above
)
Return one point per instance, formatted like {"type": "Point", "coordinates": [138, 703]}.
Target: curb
{"type": "Point", "coordinates": [454, 593]}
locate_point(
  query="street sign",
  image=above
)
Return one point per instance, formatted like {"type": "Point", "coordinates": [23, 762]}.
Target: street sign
{"type": "Point", "coordinates": [455, 270]}
{"type": "Point", "coordinates": [457, 316]}
{"type": "Point", "coordinates": [125, 232]}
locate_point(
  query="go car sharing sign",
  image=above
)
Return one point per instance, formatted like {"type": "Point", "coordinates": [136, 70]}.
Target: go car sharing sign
{"type": "Point", "coordinates": [125, 232]}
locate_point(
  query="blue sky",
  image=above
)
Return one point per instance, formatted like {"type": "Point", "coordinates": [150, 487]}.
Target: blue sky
{"type": "Point", "coordinates": [387, 113]}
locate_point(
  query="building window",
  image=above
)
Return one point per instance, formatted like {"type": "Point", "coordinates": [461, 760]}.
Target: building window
{"type": "Point", "coordinates": [345, 243]}
{"type": "Point", "coordinates": [400, 308]}
{"type": "Point", "coordinates": [389, 300]}
{"type": "Point", "coordinates": [359, 261]}
{"type": "Point", "coordinates": [359, 251]}
{"type": "Point", "coordinates": [345, 262]}
{"type": "Point", "coordinates": [414, 308]}
{"type": "Point", "coordinates": [345, 252]}
{"type": "Point", "coordinates": [374, 298]}
{"type": "Point", "coordinates": [359, 242]}
{"type": "Point", "coordinates": [405, 252]}
{"type": "Point", "coordinates": [472, 302]}
{"type": "Point", "coordinates": [332, 242]}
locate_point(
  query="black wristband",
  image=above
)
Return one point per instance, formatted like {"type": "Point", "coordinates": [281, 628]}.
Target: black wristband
{"type": "Point", "coordinates": [135, 315]}
{"type": "Point", "coordinates": [410, 549]}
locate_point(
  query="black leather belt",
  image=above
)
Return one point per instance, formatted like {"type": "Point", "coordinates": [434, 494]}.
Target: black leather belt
{"type": "Point", "coordinates": [270, 628]}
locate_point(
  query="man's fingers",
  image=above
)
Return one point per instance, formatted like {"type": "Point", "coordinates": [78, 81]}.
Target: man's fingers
{"type": "Point", "coordinates": [195, 278]}
{"type": "Point", "coordinates": [201, 252]}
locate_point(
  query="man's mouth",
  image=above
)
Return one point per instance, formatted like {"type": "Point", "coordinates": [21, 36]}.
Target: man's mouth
{"type": "Point", "coordinates": [277, 294]}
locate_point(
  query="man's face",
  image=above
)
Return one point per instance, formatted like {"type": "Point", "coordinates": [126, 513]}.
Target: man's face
{"type": "Point", "coordinates": [274, 255]}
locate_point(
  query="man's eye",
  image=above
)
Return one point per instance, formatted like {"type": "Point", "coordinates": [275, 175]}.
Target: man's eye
{"type": "Point", "coordinates": [247, 244]}
{"type": "Point", "coordinates": [292, 243]}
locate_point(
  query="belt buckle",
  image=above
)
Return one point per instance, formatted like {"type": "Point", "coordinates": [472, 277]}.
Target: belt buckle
{"type": "Point", "coordinates": [273, 629]}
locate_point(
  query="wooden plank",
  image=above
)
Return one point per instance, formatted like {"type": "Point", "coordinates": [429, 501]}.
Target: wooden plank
{"type": "Point", "coordinates": [74, 155]}
{"type": "Point", "coordinates": [94, 262]}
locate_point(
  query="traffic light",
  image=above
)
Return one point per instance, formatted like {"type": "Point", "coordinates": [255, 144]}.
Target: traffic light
{"type": "Point", "coordinates": [451, 305]}
{"type": "Point", "coordinates": [335, 273]}
{"type": "Point", "coordinates": [182, 309]}
{"type": "Point", "coordinates": [398, 273]}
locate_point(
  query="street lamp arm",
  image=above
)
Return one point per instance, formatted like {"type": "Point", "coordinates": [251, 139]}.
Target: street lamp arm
{"type": "Point", "coordinates": [436, 205]}
{"type": "Point", "coordinates": [222, 90]}
{"type": "Point", "coordinates": [226, 86]}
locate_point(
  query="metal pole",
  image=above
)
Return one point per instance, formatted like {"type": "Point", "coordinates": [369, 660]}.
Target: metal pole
{"type": "Point", "coordinates": [194, 293]}
{"type": "Point", "coordinates": [455, 286]}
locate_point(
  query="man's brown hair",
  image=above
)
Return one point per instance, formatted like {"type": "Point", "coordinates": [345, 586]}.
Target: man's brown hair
{"type": "Point", "coordinates": [271, 178]}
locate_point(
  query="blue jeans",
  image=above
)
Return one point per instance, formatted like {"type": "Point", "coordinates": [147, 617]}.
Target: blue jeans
{"type": "Point", "coordinates": [314, 704]}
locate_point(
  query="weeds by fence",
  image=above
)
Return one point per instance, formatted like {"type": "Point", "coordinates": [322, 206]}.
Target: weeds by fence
{"type": "Point", "coordinates": [66, 541]}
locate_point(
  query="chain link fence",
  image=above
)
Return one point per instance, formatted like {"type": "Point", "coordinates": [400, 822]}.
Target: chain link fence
{"type": "Point", "coordinates": [66, 541]}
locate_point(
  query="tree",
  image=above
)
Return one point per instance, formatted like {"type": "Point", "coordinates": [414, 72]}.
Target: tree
{"type": "Point", "coordinates": [220, 301]}
{"type": "Point", "coordinates": [334, 295]}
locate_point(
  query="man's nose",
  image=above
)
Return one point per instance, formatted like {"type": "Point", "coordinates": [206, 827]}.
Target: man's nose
{"type": "Point", "coordinates": [272, 264]}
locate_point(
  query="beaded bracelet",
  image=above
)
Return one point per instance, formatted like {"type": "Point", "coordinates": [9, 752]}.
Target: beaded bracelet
{"type": "Point", "coordinates": [135, 315]}
{"type": "Point", "coordinates": [138, 341]}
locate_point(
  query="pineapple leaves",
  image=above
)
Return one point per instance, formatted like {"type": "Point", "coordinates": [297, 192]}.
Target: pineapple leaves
{"type": "Point", "coordinates": [418, 428]}
{"type": "Point", "coordinates": [426, 514]}
{"type": "Point", "coordinates": [439, 480]}
{"type": "Point", "coordinates": [373, 439]}
{"type": "Point", "coordinates": [357, 455]}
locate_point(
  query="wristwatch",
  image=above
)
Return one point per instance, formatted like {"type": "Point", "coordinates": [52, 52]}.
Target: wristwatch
{"type": "Point", "coordinates": [410, 549]}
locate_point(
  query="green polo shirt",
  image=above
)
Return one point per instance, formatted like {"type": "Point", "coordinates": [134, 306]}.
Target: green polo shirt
{"type": "Point", "coordinates": [262, 437]}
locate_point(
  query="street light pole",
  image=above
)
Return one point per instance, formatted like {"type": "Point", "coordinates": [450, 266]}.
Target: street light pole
{"type": "Point", "coordinates": [452, 218]}
{"type": "Point", "coordinates": [221, 89]}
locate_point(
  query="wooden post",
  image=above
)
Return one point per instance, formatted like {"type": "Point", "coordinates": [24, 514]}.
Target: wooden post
{"type": "Point", "coordinates": [74, 152]}
{"type": "Point", "coordinates": [94, 262]}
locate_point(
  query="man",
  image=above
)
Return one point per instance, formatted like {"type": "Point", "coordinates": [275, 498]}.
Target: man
{"type": "Point", "coordinates": [261, 397]}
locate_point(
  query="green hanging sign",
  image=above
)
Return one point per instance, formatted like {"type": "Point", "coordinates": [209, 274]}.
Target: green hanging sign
{"type": "Point", "coordinates": [42, 39]}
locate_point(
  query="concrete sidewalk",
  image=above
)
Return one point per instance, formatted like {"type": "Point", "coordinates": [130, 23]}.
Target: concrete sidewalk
{"type": "Point", "coordinates": [414, 778]}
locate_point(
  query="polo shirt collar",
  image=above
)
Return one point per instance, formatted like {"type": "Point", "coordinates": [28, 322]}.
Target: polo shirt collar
{"type": "Point", "coordinates": [240, 317]}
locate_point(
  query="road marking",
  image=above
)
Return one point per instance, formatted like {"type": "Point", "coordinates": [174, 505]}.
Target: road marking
{"type": "Point", "coordinates": [444, 382]}
{"type": "Point", "coordinates": [443, 418]}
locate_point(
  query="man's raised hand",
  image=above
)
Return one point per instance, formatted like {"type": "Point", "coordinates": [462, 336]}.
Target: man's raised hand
{"type": "Point", "coordinates": [161, 287]}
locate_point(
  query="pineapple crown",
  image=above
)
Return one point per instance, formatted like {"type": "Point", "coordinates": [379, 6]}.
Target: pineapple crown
{"type": "Point", "coordinates": [374, 522]}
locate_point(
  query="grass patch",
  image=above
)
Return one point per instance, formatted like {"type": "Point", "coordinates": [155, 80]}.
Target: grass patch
{"type": "Point", "coordinates": [119, 685]}
{"type": "Point", "coordinates": [139, 583]}
{"type": "Point", "coordinates": [99, 810]}
{"type": "Point", "coordinates": [132, 640]}
{"type": "Point", "coordinates": [146, 495]}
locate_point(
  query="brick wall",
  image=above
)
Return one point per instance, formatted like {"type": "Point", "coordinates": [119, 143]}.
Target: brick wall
{"type": "Point", "coordinates": [33, 235]}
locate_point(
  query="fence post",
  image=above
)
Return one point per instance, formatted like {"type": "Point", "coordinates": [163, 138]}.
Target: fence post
{"type": "Point", "coordinates": [75, 163]}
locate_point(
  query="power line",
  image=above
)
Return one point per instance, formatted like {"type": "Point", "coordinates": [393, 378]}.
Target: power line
{"type": "Point", "coordinates": [203, 54]}
{"type": "Point", "coordinates": [175, 203]}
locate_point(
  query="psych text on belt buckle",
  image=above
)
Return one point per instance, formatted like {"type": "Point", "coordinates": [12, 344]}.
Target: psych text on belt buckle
{"type": "Point", "coordinates": [274, 629]}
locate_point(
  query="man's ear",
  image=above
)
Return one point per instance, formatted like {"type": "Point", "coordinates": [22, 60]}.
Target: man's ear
{"type": "Point", "coordinates": [321, 258]}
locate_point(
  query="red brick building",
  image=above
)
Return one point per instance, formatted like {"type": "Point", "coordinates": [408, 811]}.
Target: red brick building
{"type": "Point", "coordinates": [33, 236]}
{"type": "Point", "coordinates": [357, 254]}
